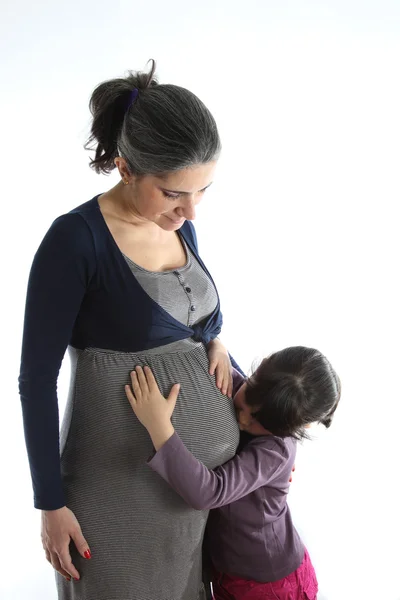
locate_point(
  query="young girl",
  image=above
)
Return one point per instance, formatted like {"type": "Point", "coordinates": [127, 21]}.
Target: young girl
{"type": "Point", "coordinates": [255, 550]}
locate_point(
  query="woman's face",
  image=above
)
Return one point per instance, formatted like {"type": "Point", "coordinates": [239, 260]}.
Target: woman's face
{"type": "Point", "coordinates": [166, 200]}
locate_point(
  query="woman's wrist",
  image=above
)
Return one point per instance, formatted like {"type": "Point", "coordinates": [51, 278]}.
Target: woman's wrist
{"type": "Point", "coordinates": [214, 342]}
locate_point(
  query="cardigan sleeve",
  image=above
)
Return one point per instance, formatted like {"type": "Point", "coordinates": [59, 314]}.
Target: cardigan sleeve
{"type": "Point", "coordinates": [61, 271]}
{"type": "Point", "coordinates": [236, 366]}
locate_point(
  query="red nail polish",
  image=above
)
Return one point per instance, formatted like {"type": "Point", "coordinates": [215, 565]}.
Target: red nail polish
{"type": "Point", "coordinates": [290, 480]}
{"type": "Point", "coordinates": [87, 554]}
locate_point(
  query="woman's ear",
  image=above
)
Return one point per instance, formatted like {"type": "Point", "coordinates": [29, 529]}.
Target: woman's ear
{"type": "Point", "coordinates": [122, 167]}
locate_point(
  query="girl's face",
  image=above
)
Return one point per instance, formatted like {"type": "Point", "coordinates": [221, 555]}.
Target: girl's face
{"type": "Point", "coordinates": [244, 415]}
{"type": "Point", "coordinates": [166, 200]}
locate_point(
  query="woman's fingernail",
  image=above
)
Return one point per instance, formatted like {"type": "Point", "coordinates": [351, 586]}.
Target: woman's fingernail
{"type": "Point", "coordinates": [76, 579]}
{"type": "Point", "coordinates": [87, 554]}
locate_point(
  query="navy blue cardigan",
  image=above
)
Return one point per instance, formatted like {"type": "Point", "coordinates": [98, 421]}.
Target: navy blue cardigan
{"type": "Point", "coordinates": [82, 293]}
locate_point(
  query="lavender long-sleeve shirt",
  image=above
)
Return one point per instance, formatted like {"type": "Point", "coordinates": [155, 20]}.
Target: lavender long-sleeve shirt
{"type": "Point", "coordinates": [250, 533]}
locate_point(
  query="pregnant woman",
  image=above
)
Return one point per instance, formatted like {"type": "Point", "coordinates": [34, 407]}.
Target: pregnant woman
{"type": "Point", "coordinates": [119, 282]}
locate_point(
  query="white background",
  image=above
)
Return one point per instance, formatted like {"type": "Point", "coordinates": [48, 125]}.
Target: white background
{"type": "Point", "coordinates": [299, 230]}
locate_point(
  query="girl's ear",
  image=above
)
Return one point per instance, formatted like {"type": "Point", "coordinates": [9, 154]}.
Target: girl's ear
{"type": "Point", "coordinates": [255, 428]}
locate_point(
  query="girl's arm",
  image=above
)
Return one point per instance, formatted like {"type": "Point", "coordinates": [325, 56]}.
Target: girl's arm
{"type": "Point", "coordinates": [259, 463]}
{"type": "Point", "coordinates": [256, 465]}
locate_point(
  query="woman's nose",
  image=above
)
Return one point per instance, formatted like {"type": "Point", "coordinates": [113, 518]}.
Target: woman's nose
{"type": "Point", "coordinates": [188, 209]}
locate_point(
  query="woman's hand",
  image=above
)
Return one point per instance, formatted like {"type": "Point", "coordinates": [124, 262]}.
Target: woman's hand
{"type": "Point", "coordinates": [59, 527]}
{"type": "Point", "coordinates": [149, 405]}
{"type": "Point", "coordinates": [220, 364]}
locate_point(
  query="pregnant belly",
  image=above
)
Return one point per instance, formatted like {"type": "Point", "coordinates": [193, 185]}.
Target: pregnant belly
{"type": "Point", "coordinates": [101, 431]}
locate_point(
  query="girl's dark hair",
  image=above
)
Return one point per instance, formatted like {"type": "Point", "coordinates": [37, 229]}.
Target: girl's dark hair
{"type": "Point", "coordinates": [292, 388]}
{"type": "Point", "coordinates": [165, 128]}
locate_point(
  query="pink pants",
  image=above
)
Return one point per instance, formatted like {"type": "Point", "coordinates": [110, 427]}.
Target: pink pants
{"type": "Point", "coordinates": [299, 585]}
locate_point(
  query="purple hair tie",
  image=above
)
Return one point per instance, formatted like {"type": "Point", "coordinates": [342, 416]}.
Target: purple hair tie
{"type": "Point", "coordinates": [133, 95]}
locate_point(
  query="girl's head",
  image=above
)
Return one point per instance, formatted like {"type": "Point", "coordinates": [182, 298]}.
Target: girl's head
{"type": "Point", "coordinates": [288, 391]}
{"type": "Point", "coordinates": [163, 140]}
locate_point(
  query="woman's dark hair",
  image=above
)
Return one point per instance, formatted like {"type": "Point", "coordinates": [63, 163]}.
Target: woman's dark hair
{"type": "Point", "coordinates": [164, 128]}
{"type": "Point", "coordinates": [292, 388]}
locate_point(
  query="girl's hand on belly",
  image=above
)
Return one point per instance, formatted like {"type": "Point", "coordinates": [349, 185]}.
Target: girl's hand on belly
{"type": "Point", "coordinates": [149, 405]}
{"type": "Point", "coordinates": [220, 364]}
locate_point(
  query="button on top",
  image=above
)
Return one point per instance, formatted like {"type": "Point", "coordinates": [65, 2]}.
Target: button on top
{"type": "Point", "coordinates": [188, 289]}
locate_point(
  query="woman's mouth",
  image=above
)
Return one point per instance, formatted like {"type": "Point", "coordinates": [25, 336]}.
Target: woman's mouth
{"type": "Point", "coordinates": [176, 222]}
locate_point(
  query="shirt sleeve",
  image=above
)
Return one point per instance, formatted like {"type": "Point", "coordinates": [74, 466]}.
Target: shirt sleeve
{"type": "Point", "coordinates": [59, 277]}
{"type": "Point", "coordinates": [256, 465]}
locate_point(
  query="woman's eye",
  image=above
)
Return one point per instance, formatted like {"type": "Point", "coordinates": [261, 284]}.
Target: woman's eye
{"type": "Point", "coordinates": [171, 196]}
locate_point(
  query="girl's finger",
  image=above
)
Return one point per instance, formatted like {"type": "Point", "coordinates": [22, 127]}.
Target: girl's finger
{"type": "Point", "coordinates": [130, 396]}
{"type": "Point", "coordinates": [151, 380]}
{"type": "Point", "coordinates": [173, 395]}
{"type": "Point", "coordinates": [136, 387]}
{"type": "Point", "coordinates": [142, 380]}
